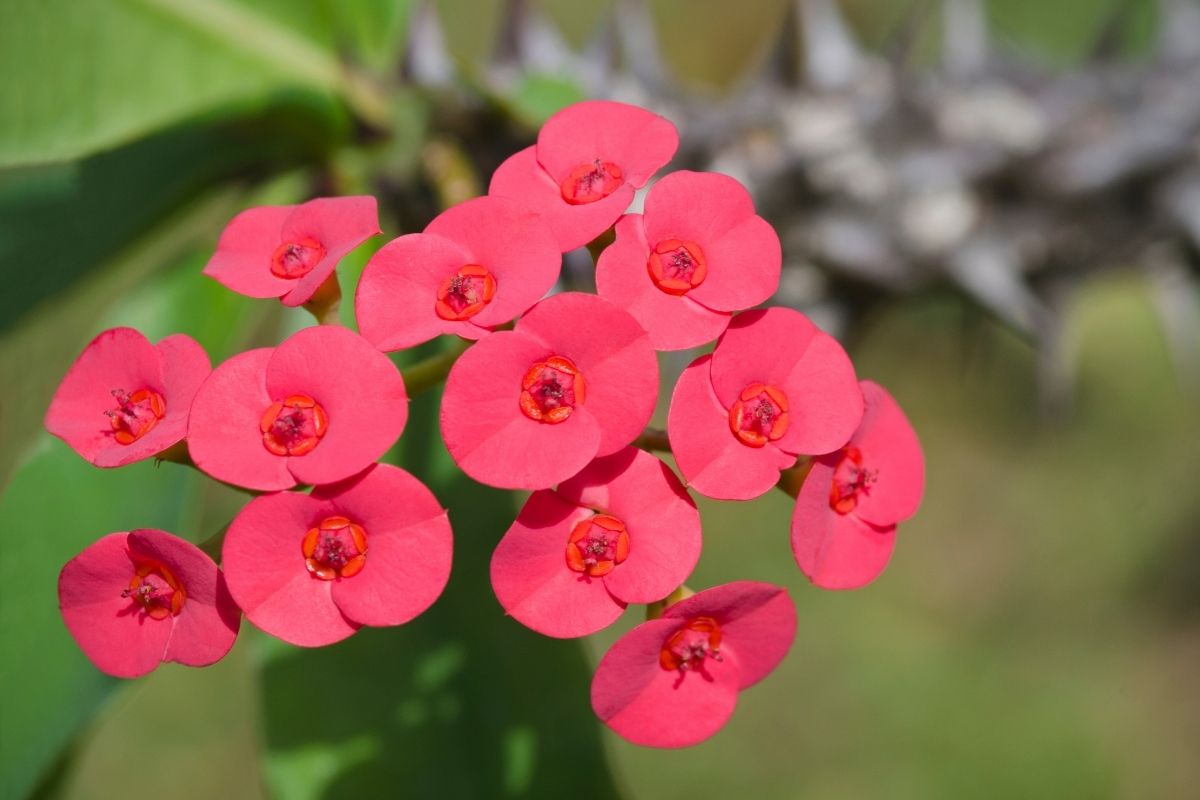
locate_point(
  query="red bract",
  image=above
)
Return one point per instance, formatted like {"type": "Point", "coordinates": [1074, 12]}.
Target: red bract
{"type": "Point", "coordinates": [588, 160]}
{"type": "Point", "coordinates": [527, 408]}
{"type": "Point", "coordinates": [674, 681]}
{"type": "Point", "coordinates": [698, 253]}
{"type": "Point", "coordinates": [289, 251]}
{"type": "Point", "coordinates": [312, 569]}
{"type": "Point", "coordinates": [624, 530]}
{"type": "Point", "coordinates": [125, 399]}
{"type": "Point", "coordinates": [775, 387]}
{"type": "Point", "coordinates": [316, 409]}
{"type": "Point", "coordinates": [133, 600]}
{"type": "Point", "coordinates": [476, 266]}
{"type": "Point", "coordinates": [844, 525]}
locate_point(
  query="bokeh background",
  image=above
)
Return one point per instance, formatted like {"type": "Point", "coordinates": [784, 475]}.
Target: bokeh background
{"type": "Point", "coordinates": [994, 204]}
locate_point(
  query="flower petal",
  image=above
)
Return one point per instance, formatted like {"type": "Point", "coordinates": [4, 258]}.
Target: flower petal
{"type": "Point", "coordinates": [836, 551]}
{"type": "Point", "coordinates": [638, 141]}
{"type": "Point", "coordinates": [891, 451]}
{"type": "Point", "coordinates": [655, 707]}
{"type": "Point", "coordinates": [409, 545]}
{"type": "Point", "coordinates": [532, 580]}
{"type": "Point", "coordinates": [224, 438]}
{"type": "Point", "coordinates": [265, 571]}
{"type": "Point", "coordinates": [521, 178]}
{"type": "Point", "coordinates": [340, 224]}
{"type": "Point", "coordinates": [612, 352]}
{"type": "Point", "coordinates": [673, 322]}
{"type": "Point", "coordinates": [662, 521]}
{"type": "Point", "coordinates": [711, 458]}
{"type": "Point", "coordinates": [758, 620]}
{"type": "Point", "coordinates": [360, 389]}
{"type": "Point", "coordinates": [242, 261]}
{"type": "Point", "coordinates": [488, 435]}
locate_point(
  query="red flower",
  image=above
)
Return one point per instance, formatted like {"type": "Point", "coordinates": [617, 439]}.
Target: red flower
{"type": "Point", "coordinates": [775, 387]}
{"type": "Point", "coordinates": [289, 251]}
{"type": "Point", "coordinates": [476, 266]}
{"type": "Point", "coordinates": [844, 525]}
{"type": "Point", "coordinates": [312, 569]}
{"type": "Point", "coordinates": [133, 600]}
{"type": "Point", "coordinates": [624, 530]}
{"type": "Point", "coordinates": [588, 160]}
{"type": "Point", "coordinates": [527, 408]}
{"type": "Point", "coordinates": [674, 681]}
{"type": "Point", "coordinates": [698, 253]}
{"type": "Point", "coordinates": [316, 409]}
{"type": "Point", "coordinates": [125, 399]}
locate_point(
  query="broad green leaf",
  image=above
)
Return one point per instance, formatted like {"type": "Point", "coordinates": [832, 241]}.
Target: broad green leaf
{"type": "Point", "coordinates": [576, 21]}
{"type": "Point", "coordinates": [78, 76]}
{"type": "Point", "coordinates": [462, 702]}
{"type": "Point", "coordinates": [713, 44]}
{"type": "Point", "coordinates": [537, 97]}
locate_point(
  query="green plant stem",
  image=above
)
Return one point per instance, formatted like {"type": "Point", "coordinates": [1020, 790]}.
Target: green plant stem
{"type": "Point", "coordinates": [325, 302]}
{"type": "Point", "coordinates": [424, 375]}
{"type": "Point", "coordinates": [653, 439]}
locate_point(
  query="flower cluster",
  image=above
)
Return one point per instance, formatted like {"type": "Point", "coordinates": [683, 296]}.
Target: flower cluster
{"type": "Point", "coordinates": [553, 396]}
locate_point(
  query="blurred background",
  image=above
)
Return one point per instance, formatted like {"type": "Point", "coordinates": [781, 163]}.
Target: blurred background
{"type": "Point", "coordinates": [994, 204]}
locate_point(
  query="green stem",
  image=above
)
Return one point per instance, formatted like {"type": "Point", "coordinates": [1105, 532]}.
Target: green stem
{"type": "Point", "coordinates": [653, 439]}
{"type": "Point", "coordinates": [325, 302]}
{"type": "Point", "coordinates": [424, 375]}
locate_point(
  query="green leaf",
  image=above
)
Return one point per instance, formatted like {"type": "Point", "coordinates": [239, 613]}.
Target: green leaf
{"type": "Point", "coordinates": [537, 97]}
{"type": "Point", "coordinates": [713, 44]}
{"type": "Point", "coordinates": [78, 76]}
{"type": "Point", "coordinates": [461, 702]}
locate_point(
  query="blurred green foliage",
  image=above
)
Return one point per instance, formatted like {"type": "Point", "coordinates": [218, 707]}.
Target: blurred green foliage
{"type": "Point", "coordinates": [1034, 637]}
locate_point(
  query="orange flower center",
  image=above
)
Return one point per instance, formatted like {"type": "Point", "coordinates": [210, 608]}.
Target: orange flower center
{"type": "Point", "coordinates": [156, 589]}
{"type": "Point", "coordinates": [465, 293]}
{"type": "Point", "coordinates": [759, 415]}
{"type": "Point", "coordinates": [597, 545]}
{"type": "Point", "coordinates": [296, 259]}
{"type": "Point", "coordinates": [849, 481]}
{"type": "Point", "coordinates": [337, 548]}
{"type": "Point", "coordinates": [677, 267]}
{"type": "Point", "coordinates": [688, 648]}
{"type": "Point", "coordinates": [136, 414]}
{"type": "Point", "coordinates": [551, 389]}
{"type": "Point", "coordinates": [591, 181]}
{"type": "Point", "coordinates": [294, 426]}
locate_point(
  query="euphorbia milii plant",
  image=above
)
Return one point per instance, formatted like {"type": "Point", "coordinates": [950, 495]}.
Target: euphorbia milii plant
{"type": "Point", "coordinates": [546, 390]}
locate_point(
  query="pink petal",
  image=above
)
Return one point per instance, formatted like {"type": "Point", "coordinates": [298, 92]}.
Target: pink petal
{"type": "Point", "coordinates": [205, 629]}
{"type": "Point", "coordinates": [891, 451]}
{"type": "Point", "coordinates": [758, 621]}
{"type": "Point", "coordinates": [836, 551]}
{"type": "Point", "coordinates": [224, 438]}
{"type": "Point", "coordinates": [782, 347]}
{"type": "Point", "coordinates": [398, 290]}
{"type": "Point", "coordinates": [761, 346]}
{"type": "Point", "coordinates": [713, 461]}
{"type": "Point", "coordinates": [699, 207]}
{"type": "Point", "coordinates": [612, 352]}
{"type": "Point", "coordinates": [743, 267]}
{"type": "Point", "coordinates": [673, 322]}
{"type": "Point", "coordinates": [265, 571]}
{"type": "Point", "coordinates": [533, 582]}
{"type": "Point", "coordinates": [503, 236]}
{"type": "Point", "coordinates": [488, 435]}
{"type": "Point", "coordinates": [662, 520]}
{"type": "Point", "coordinates": [340, 224]}
{"type": "Point", "coordinates": [409, 546]}
{"type": "Point", "coordinates": [651, 706]}
{"type": "Point", "coordinates": [242, 261]}
{"type": "Point", "coordinates": [110, 629]}
{"type": "Point", "coordinates": [119, 358]}
{"type": "Point", "coordinates": [521, 178]}
{"type": "Point", "coordinates": [360, 389]}
{"type": "Point", "coordinates": [638, 141]}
